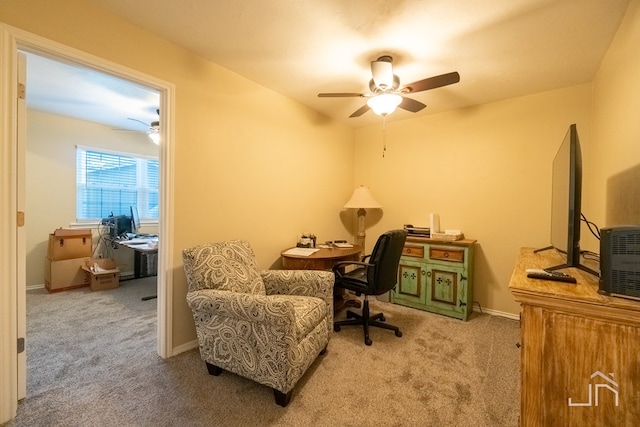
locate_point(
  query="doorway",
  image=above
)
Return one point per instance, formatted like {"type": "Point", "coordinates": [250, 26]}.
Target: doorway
{"type": "Point", "coordinates": [12, 41]}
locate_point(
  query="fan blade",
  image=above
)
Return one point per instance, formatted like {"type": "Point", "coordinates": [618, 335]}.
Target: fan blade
{"type": "Point", "coordinates": [339, 94]}
{"type": "Point", "coordinates": [139, 121]}
{"type": "Point", "coordinates": [411, 105]}
{"type": "Point", "coordinates": [360, 111]}
{"type": "Point", "coordinates": [433, 82]}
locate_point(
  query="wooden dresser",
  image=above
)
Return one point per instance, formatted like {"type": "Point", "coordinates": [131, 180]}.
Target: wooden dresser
{"type": "Point", "coordinates": [580, 361]}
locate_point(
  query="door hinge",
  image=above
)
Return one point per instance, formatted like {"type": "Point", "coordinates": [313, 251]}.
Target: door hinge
{"type": "Point", "coordinates": [20, 219]}
{"type": "Point", "coordinates": [22, 91]}
{"type": "Point", "coordinates": [20, 345]}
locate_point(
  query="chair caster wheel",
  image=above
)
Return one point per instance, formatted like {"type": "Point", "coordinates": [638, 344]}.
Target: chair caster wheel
{"type": "Point", "coordinates": [336, 328]}
{"type": "Point", "coordinates": [368, 341]}
{"type": "Point", "coordinates": [398, 333]}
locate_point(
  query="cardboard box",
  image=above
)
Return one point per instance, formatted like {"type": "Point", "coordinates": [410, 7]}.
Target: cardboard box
{"type": "Point", "coordinates": [64, 275]}
{"type": "Point", "coordinates": [70, 243]}
{"type": "Point", "coordinates": [102, 273]}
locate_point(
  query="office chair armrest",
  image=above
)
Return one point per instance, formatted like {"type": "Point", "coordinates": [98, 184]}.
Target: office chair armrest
{"type": "Point", "coordinates": [341, 264]}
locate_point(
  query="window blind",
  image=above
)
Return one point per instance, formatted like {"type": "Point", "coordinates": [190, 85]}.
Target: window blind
{"type": "Point", "coordinates": [109, 183]}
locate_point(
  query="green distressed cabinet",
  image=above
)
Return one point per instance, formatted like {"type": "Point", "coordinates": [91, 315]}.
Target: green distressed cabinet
{"type": "Point", "coordinates": [437, 276]}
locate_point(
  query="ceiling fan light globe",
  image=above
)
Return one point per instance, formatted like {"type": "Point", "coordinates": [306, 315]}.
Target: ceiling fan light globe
{"type": "Point", "coordinates": [385, 103]}
{"type": "Point", "coordinates": [154, 137]}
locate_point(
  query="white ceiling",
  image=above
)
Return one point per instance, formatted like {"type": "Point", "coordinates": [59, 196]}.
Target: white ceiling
{"type": "Point", "coordinates": [299, 48]}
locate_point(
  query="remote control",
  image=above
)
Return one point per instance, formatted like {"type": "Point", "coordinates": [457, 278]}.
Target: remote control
{"type": "Point", "coordinates": [538, 273]}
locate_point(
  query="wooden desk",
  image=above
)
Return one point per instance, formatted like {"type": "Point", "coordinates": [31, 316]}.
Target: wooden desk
{"type": "Point", "coordinates": [575, 341]}
{"type": "Point", "coordinates": [325, 259]}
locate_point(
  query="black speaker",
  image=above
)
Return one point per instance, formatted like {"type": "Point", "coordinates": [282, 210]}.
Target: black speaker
{"type": "Point", "coordinates": [620, 261]}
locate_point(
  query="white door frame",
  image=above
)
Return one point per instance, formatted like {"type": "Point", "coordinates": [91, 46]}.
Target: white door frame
{"type": "Point", "coordinates": [12, 39]}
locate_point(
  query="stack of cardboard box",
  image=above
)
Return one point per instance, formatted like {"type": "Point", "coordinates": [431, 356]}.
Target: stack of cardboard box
{"type": "Point", "coordinates": [67, 254]}
{"type": "Point", "coordinates": [69, 264]}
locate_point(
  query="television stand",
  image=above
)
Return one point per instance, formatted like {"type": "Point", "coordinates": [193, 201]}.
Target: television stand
{"type": "Point", "coordinates": [579, 266]}
{"type": "Point", "coordinates": [565, 265]}
{"type": "Point", "coordinates": [546, 248]}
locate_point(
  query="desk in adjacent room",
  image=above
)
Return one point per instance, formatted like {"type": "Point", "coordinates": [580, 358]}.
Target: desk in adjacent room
{"type": "Point", "coordinates": [142, 247]}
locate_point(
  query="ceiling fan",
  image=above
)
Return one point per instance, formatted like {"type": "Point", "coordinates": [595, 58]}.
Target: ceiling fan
{"type": "Point", "coordinates": [153, 128]}
{"type": "Point", "coordinates": [386, 93]}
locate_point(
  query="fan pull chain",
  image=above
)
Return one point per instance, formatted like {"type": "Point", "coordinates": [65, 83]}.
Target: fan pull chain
{"type": "Point", "coordinates": [384, 134]}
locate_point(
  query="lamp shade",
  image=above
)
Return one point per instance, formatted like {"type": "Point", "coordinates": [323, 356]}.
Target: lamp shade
{"type": "Point", "coordinates": [362, 198]}
{"type": "Point", "coordinates": [385, 103]}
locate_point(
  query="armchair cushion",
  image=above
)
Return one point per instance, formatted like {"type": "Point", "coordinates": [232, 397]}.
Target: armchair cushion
{"type": "Point", "coordinates": [225, 266]}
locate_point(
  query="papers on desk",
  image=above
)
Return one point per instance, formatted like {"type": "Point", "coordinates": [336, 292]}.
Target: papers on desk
{"type": "Point", "coordinates": [343, 245]}
{"type": "Point", "coordinates": [301, 251]}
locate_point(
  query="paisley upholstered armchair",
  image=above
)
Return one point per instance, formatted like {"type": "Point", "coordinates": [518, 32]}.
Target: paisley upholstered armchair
{"type": "Point", "coordinates": [268, 326]}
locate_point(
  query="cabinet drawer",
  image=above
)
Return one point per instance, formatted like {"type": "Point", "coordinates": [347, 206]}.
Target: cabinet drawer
{"type": "Point", "coordinates": [413, 251]}
{"type": "Point", "coordinates": [444, 254]}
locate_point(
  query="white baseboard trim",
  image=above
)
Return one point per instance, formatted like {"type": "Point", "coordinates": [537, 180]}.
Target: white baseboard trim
{"type": "Point", "coordinates": [34, 287]}
{"type": "Point", "coordinates": [184, 347]}
{"type": "Point", "coordinates": [497, 313]}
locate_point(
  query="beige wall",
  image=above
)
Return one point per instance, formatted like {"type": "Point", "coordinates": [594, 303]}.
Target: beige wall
{"type": "Point", "coordinates": [616, 127]}
{"type": "Point", "coordinates": [51, 178]}
{"type": "Point", "coordinates": [253, 164]}
{"type": "Point", "coordinates": [485, 170]}
{"type": "Point", "coordinates": [249, 163]}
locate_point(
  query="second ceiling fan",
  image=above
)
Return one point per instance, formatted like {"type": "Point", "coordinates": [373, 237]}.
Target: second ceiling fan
{"type": "Point", "coordinates": [386, 93]}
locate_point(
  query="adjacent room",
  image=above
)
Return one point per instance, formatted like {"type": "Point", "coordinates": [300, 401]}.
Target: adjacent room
{"type": "Point", "coordinates": [268, 130]}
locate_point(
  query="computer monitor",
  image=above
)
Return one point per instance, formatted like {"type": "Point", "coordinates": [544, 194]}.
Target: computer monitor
{"type": "Point", "coordinates": [135, 220]}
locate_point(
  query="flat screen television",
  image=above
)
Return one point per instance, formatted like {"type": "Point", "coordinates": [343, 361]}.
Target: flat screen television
{"type": "Point", "coordinates": [566, 200]}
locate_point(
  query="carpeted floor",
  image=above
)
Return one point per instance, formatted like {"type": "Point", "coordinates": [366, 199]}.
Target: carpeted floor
{"type": "Point", "coordinates": [92, 362]}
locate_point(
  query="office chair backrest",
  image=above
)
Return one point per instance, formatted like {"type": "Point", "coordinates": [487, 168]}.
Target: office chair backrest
{"type": "Point", "coordinates": [386, 257]}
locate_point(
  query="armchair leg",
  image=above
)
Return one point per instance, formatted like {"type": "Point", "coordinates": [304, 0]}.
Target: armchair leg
{"type": "Point", "coordinates": [282, 399]}
{"type": "Point", "coordinates": [213, 369]}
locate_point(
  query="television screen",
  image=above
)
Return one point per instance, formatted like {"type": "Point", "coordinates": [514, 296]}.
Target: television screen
{"type": "Point", "coordinates": [566, 197]}
{"type": "Point", "coordinates": [566, 200]}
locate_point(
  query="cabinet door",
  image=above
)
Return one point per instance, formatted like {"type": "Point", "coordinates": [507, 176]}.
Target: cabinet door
{"type": "Point", "coordinates": [447, 288]}
{"type": "Point", "coordinates": [411, 283]}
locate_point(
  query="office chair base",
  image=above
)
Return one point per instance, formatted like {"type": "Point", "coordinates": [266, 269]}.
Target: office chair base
{"type": "Point", "coordinates": [365, 320]}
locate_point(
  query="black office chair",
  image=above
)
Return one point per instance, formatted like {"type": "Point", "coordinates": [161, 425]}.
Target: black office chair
{"type": "Point", "coordinates": [375, 277]}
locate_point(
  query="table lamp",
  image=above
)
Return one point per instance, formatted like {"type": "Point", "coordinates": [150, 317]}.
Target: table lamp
{"type": "Point", "coordinates": [361, 199]}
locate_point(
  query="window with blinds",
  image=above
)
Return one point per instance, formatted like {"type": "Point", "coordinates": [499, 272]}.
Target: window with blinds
{"type": "Point", "coordinates": [109, 183]}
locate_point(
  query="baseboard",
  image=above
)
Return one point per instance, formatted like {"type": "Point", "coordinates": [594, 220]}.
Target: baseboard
{"type": "Point", "coordinates": [497, 313]}
{"type": "Point", "coordinates": [34, 287]}
{"type": "Point", "coordinates": [184, 347]}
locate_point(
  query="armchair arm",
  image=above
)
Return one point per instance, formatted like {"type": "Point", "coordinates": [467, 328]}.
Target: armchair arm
{"type": "Point", "coordinates": [263, 309]}
{"type": "Point", "coordinates": [313, 283]}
